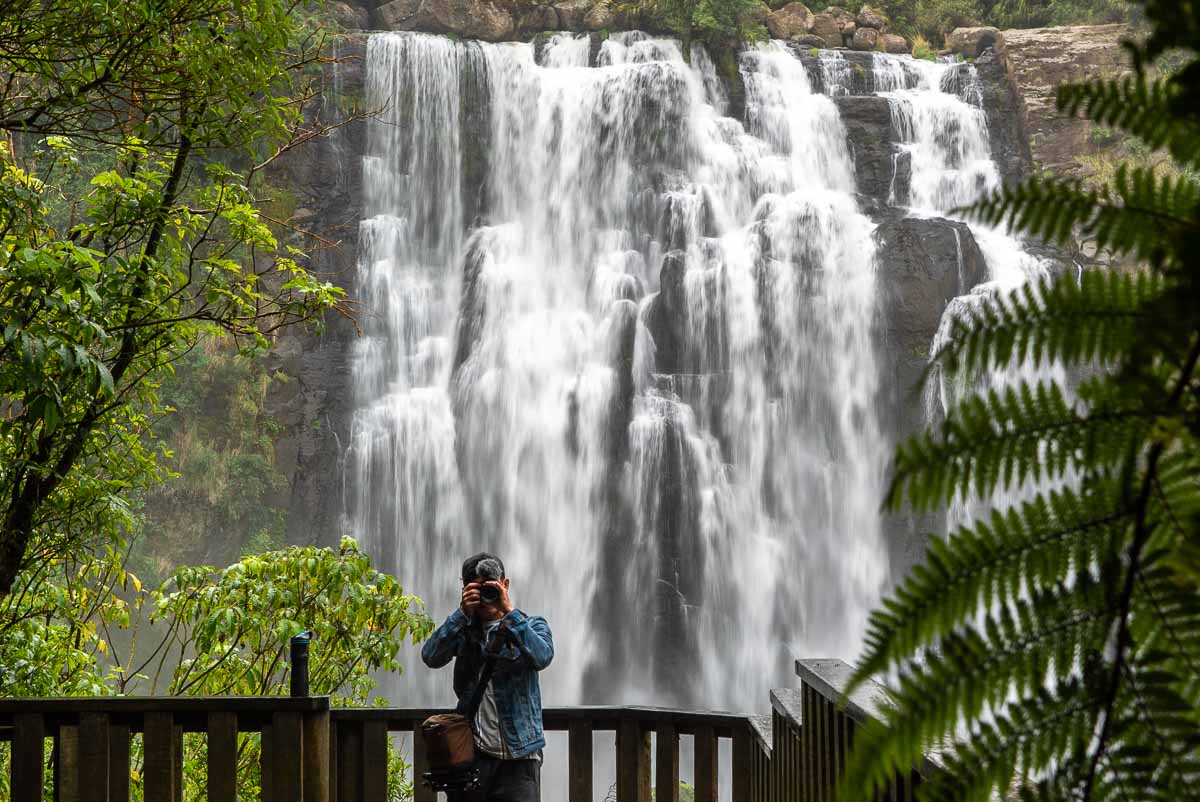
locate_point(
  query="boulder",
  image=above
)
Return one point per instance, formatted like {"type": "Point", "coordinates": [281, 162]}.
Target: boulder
{"type": "Point", "coordinates": [894, 43]}
{"type": "Point", "coordinates": [791, 21]}
{"type": "Point", "coordinates": [471, 19]}
{"type": "Point", "coordinates": [970, 42]}
{"type": "Point", "coordinates": [835, 25]}
{"type": "Point", "coordinates": [571, 13]}
{"type": "Point", "coordinates": [349, 17]}
{"type": "Point", "coordinates": [865, 39]}
{"type": "Point", "coordinates": [872, 18]}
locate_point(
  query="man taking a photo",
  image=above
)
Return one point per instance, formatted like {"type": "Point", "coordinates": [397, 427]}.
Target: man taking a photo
{"type": "Point", "coordinates": [508, 725]}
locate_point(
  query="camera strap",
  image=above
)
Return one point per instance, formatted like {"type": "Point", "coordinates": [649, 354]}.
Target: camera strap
{"type": "Point", "coordinates": [473, 702]}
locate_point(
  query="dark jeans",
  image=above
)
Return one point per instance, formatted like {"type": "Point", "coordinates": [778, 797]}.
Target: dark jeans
{"type": "Point", "coordinates": [504, 781]}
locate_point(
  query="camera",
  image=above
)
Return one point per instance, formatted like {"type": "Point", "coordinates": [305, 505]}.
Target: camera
{"type": "Point", "coordinates": [486, 571]}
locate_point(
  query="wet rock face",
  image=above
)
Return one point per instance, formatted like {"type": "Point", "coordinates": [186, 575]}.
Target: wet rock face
{"type": "Point", "coordinates": [312, 407]}
{"type": "Point", "coordinates": [879, 170]}
{"type": "Point", "coordinates": [925, 263]}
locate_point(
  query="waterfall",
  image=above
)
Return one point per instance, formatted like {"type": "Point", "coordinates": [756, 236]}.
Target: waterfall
{"type": "Point", "coordinates": [938, 115]}
{"type": "Point", "coordinates": [625, 342]}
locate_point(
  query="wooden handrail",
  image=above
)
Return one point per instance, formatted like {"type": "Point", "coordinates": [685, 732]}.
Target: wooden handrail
{"type": "Point", "coordinates": [312, 752]}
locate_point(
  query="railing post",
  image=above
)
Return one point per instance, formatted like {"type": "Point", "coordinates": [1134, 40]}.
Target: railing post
{"type": "Point", "coordinates": [118, 762]}
{"type": "Point", "coordinates": [421, 791]}
{"type": "Point", "coordinates": [374, 761]}
{"type": "Point", "coordinates": [222, 757]}
{"type": "Point", "coordinates": [706, 764]}
{"type": "Point", "coordinates": [158, 770]}
{"type": "Point", "coordinates": [28, 766]}
{"type": "Point", "coordinates": [93, 757]}
{"type": "Point", "coordinates": [350, 762]}
{"type": "Point", "coordinates": [315, 772]}
{"type": "Point", "coordinates": [66, 764]}
{"type": "Point", "coordinates": [579, 761]}
{"type": "Point", "coordinates": [287, 754]}
{"type": "Point", "coordinates": [743, 763]}
{"type": "Point", "coordinates": [633, 762]}
{"type": "Point", "coordinates": [666, 763]}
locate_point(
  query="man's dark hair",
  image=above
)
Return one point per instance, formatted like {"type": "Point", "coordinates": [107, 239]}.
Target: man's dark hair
{"type": "Point", "coordinates": [469, 565]}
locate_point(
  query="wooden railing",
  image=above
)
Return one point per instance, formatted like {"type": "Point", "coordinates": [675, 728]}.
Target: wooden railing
{"type": "Point", "coordinates": [311, 753]}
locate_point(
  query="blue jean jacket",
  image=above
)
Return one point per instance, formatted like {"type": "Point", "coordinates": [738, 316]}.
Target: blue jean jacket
{"type": "Point", "coordinates": [514, 681]}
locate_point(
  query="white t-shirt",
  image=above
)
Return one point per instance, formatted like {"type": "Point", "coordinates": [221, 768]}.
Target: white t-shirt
{"type": "Point", "coordinates": [488, 737]}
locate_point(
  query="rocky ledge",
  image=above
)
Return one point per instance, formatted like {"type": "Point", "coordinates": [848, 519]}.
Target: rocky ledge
{"type": "Point", "coordinates": [503, 20]}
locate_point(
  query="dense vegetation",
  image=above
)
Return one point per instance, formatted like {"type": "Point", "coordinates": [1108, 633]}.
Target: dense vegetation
{"type": "Point", "coordinates": [933, 19]}
{"type": "Point", "coordinates": [1054, 646]}
{"type": "Point", "coordinates": [129, 230]}
{"type": "Point", "coordinates": [207, 632]}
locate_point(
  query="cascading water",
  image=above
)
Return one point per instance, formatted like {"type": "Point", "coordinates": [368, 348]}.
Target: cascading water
{"type": "Point", "coordinates": [625, 342]}
{"type": "Point", "coordinates": [937, 113]}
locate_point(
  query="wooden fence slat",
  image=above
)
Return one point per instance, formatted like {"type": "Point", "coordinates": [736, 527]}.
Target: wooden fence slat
{"type": "Point", "coordinates": [374, 749]}
{"type": "Point", "coordinates": [158, 770]}
{"type": "Point", "coordinates": [743, 763]}
{"type": "Point", "coordinates": [579, 761]}
{"type": "Point", "coordinates": [350, 765]}
{"type": "Point", "coordinates": [666, 763]}
{"type": "Point", "coordinates": [706, 764]}
{"type": "Point", "coordinates": [633, 762]}
{"type": "Point", "coordinates": [315, 772]}
{"type": "Point", "coordinates": [287, 753]}
{"type": "Point", "coordinates": [66, 764]}
{"type": "Point", "coordinates": [27, 771]}
{"type": "Point", "coordinates": [422, 792]}
{"type": "Point", "coordinates": [266, 765]}
{"type": "Point", "coordinates": [222, 731]}
{"type": "Point", "coordinates": [118, 762]}
{"type": "Point", "coordinates": [93, 757]}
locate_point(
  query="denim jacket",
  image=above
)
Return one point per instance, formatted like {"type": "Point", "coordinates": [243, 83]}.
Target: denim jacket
{"type": "Point", "coordinates": [514, 681]}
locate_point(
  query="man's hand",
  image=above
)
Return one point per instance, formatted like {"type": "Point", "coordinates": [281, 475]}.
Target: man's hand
{"type": "Point", "coordinates": [504, 604]}
{"type": "Point", "coordinates": [470, 599]}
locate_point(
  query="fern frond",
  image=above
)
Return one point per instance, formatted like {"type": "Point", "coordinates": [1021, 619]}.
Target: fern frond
{"type": "Point", "coordinates": [1045, 207]}
{"type": "Point", "coordinates": [1006, 439]}
{"type": "Point", "coordinates": [1018, 647]}
{"type": "Point", "coordinates": [1137, 215]}
{"type": "Point", "coordinates": [1140, 106]}
{"type": "Point", "coordinates": [1024, 738]}
{"type": "Point", "coordinates": [1090, 319]}
{"type": "Point", "coordinates": [1028, 546]}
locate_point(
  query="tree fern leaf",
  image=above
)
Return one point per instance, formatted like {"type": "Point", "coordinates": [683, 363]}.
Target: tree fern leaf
{"type": "Point", "coordinates": [1031, 545]}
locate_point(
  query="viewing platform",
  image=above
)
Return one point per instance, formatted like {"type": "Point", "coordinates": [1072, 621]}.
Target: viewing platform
{"type": "Point", "coordinates": [314, 753]}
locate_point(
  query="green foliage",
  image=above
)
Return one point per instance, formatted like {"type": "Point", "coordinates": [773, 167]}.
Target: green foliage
{"type": "Point", "coordinates": [92, 629]}
{"type": "Point", "coordinates": [128, 228]}
{"type": "Point", "coordinates": [225, 496]}
{"type": "Point", "coordinates": [1051, 646]}
{"type": "Point", "coordinates": [721, 25]}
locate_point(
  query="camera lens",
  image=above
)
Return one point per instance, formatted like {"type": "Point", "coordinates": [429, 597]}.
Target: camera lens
{"type": "Point", "coordinates": [489, 594]}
